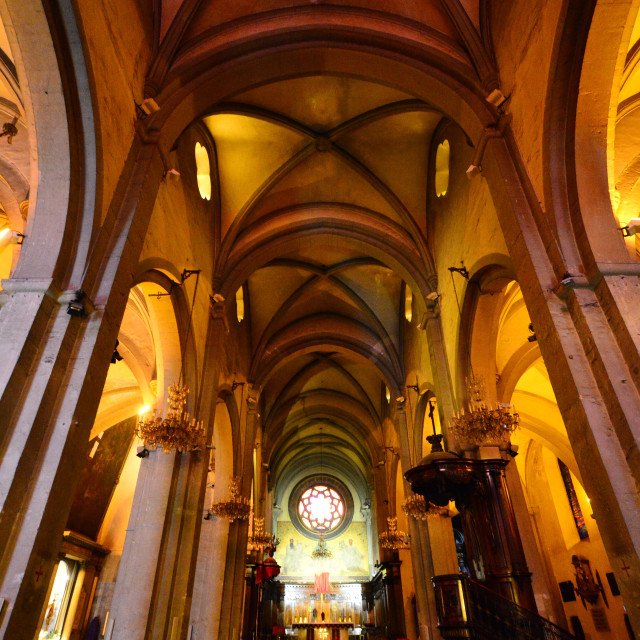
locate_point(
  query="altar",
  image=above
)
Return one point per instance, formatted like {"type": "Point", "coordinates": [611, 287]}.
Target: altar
{"type": "Point", "coordinates": [322, 630]}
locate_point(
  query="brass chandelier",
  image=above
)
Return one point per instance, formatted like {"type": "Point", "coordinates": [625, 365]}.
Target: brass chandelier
{"type": "Point", "coordinates": [418, 508]}
{"type": "Point", "coordinates": [321, 552]}
{"type": "Point", "coordinates": [235, 507]}
{"type": "Point", "coordinates": [392, 538]}
{"type": "Point", "coordinates": [177, 430]}
{"type": "Point", "coordinates": [482, 423]}
{"type": "Point", "coordinates": [261, 539]}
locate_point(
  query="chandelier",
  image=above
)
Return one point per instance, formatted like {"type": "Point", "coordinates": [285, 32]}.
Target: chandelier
{"type": "Point", "coordinates": [321, 552]}
{"type": "Point", "coordinates": [176, 430]}
{"type": "Point", "coordinates": [261, 539]}
{"type": "Point", "coordinates": [392, 538]}
{"type": "Point", "coordinates": [418, 508]}
{"type": "Point", "coordinates": [482, 423]}
{"type": "Point", "coordinates": [235, 507]}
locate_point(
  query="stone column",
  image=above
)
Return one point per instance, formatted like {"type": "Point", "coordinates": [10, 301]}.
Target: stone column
{"type": "Point", "coordinates": [52, 372]}
{"type": "Point", "coordinates": [432, 323]}
{"type": "Point", "coordinates": [421, 558]}
{"type": "Point", "coordinates": [233, 586]}
{"type": "Point", "coordinates": [591, 359]}
{"type": "Point", "coordinates": [130, 610]}
{"type": "Point", "coordinates": [155, 578]}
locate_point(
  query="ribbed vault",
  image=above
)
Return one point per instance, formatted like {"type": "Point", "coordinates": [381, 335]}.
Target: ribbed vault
{"type": "Point", "coordinates": [323, 222]}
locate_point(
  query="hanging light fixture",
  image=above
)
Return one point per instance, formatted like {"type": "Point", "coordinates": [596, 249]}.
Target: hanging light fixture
{"type": "Point", "coordinates": [259, 539]}
{"type": "Point", "coordinates": [321, 551]}
{"type": "Point", "coordinates": [392, 538]}
{"type": "Point", "coordinates": [482, 423]}
{"type": "Point", "coordinates": [235, 507]}
{"type": "Point", "coordinates": [177, 430]}
{"type": "Point", "coordinates": [417, 507]}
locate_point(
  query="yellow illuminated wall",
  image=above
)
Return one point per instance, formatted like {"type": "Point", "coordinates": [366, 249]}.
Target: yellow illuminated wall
{"type": "Point", "coordinates": [349, 561]}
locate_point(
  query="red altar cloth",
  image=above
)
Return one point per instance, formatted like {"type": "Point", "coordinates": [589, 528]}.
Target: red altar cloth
{"type": "Point", "coordinates": [321, 583]}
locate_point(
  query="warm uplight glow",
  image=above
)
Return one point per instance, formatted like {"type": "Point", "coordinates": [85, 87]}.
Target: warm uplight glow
{"type": "Point", "coordinates": [144, 410]}
{"type": "Point", "coordinates": [408, 303]}
{"type": "Point", "coordinates": [240, 304]}
{"type": "Point", "coordinates": [203, 168]}
{"type": "Point", "coordinates": [442, 169]}
{"type": "Point", "coordinates": [387, 394]}
{"type": "Point", "coordinates": [4, 232]}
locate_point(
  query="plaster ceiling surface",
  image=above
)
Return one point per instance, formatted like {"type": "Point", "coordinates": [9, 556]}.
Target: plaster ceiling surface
{"type": "Point", "coordinates": [325, 312]}
{"type": "Point", "coordinates": [129, 381]}
{"type": "Point", "coordinates": [625, 163]}
{"type": "Point", "coordinates": [427, 14]}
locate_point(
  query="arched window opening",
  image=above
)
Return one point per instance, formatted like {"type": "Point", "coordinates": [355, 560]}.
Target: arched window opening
{"type": "Point", "coordinates": [408, 303]}
{"type": "Point", "coordinates": [240, 304]}
{"type": "Point", "coordinates": [203, 170]}
{"type": "Point", "coordinates": [321, 508]}
{"type": "Point", "coordinates": [442, 169]}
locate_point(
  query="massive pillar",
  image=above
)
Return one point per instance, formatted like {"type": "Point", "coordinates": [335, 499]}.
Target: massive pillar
{"type": "Point", "coordinates": [233, 586]}
{"type": "Point", "coordinates": [52, 370]}
{"type": "Point", "coordinates": [591, 358]}
{"type": "Point", "coordinates": [155, 578]}
{"type": "Point", "coordinates": [421, 557]}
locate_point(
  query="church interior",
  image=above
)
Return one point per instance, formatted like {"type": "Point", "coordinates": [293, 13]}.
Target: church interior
{"type": "Point", "coordinates": [319, 320]}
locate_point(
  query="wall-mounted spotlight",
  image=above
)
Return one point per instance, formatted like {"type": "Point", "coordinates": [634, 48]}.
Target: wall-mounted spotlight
{"type": "Point", "coordinates": [473, 170]}
{"type": "Point", "coordinates": [631, 228]}
{"type": "Point", "coordinates": [143, 452]}
{"type": "Point", "coordinates": [8, 236]}
{"type": "Point", "coordinates": [10, 130]}
{"type": "Point", "coordinates": [147, 107]}
{"type": "Point", "coordinates": [116, 357]}
{"type": "Point", "coordinates": [77, 307]}
{"type": "Point", "coordinates": [496, 98]}
{"type": "Point", "coordinates": [532, 337]}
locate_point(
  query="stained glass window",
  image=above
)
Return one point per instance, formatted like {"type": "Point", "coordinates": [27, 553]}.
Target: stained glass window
{"type": "Point", "coordinates": [321, 508]}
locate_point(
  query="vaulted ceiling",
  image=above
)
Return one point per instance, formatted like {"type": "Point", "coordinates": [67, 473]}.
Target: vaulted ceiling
{"type": "Point", "coordinates": [322, 182]}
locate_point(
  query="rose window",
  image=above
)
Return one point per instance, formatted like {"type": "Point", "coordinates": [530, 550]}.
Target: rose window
{"type": "Point", "coordinates": [321, 508]}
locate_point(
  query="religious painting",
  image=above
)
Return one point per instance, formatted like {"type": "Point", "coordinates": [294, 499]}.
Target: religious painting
{"type": "Point", "coordinates": [105, 457]}
{"type": "Point", "coordinates": [349, 561]}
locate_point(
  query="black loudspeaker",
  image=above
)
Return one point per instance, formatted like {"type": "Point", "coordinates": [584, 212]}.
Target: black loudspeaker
{"type": "Point", "coordinates": [613, 585]}
{"type": "Point", "coordinates": [567, 591]}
